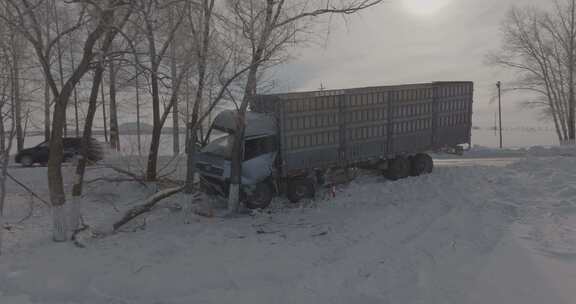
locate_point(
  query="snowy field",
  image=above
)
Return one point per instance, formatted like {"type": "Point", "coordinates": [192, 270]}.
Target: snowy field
{"type": "Point", "coordinates": [492, 227]}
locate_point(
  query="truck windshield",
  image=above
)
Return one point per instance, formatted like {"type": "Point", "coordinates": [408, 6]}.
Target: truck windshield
{"type": "Point", "coordinates": [221, 146]}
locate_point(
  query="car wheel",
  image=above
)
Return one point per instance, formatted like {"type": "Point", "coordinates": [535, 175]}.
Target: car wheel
{"type": "Point", "coordinates": [27, 161]}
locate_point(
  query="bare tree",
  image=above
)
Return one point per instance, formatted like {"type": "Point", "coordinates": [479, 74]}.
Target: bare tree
{"type": "Point", "coordinates": [540, 46]}
{"type": "Point", "coordinates": [15, 49]}
{"type": "Point", "coordinates": [7, 118]}
{"type": "Point", "coordinates": [76, 105]}
{"type": "Point", "coordinates": [268, 27]}
{"type": "Point", "coordinates": [97, 19]}
{"type": "Point", "coordinates": [200, 23]}
{"type": "Point", "coordinates": [159, 32]}
{"type": "Point", "coordinates": [175, 108]}
{"type": "Point", "coordinates": [218, 68]}
{"type": "Point", "coordinates": [97, 78]}
{"type": "Point", "coordinates": [114, 129]}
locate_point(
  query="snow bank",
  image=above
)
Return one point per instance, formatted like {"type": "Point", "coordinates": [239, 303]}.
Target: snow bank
{"type": "Point", "coordinates": [535, 151]}
{"type": "Point", "coordinates": [421, 240]}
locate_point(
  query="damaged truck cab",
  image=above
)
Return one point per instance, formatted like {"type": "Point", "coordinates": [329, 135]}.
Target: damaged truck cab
{"type": "Point", "coordinates": [292, 141]}
{"type": "Point", "coordinates": [260, 149]}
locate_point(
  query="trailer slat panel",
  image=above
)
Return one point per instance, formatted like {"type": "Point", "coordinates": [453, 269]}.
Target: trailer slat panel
{"type": "Point", "coordinates": [340, 127]}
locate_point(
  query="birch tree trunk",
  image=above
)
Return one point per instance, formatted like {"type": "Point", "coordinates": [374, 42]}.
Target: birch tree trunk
{"type": "Point", "coordinates": [203, 39]}
{"type": "Point", "coordinates": [76, 109]}
{"type": "Point", "coordinates": [104, 118]}
{"type": "Point", "coordinates": [175, 114]}
{"type": "Point", "coordinates": [76, 211]}
{"type": "Point", "coordinates": [47, 102]}
{"type": "Point", "coordinates": [156, 127]}
{"type": "Point", "coordinates": [17, 97]}
{"type": "Point", "coordinates": [138, 131]}
{"type": "Point", "coordinates": [114, 130]}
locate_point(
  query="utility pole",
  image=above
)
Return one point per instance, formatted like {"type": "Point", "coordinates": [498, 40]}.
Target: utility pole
{"type": "Point", "coordinates": [499, 86]}
{"type": "Point", "coordinates": [495, 124]}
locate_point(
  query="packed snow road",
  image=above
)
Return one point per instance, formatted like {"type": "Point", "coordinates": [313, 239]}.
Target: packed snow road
{"type": "Point", "coordinates": [475, 231]}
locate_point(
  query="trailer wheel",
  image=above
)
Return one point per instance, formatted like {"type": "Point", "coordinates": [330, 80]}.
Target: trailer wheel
{"type": "Point", "coordinates": [421, 164]}
{"type": "Point", "coordinates": [300, 188]}
{"type": "Point", "coordinates": [261, 197]}
{"type": "Point", "coordinates": [429, 163]}
{"type": "Point", "coordinates": [398, 168]}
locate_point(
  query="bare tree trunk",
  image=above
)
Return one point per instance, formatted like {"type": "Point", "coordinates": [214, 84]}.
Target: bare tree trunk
{"type": "Point", "coordinates": [60, 64]}
{"type": "Point", "coordinates": [175, 112]}
{"type": "Point", "coordinates": [104, 112]}
{"type": "Point", "coordinates": [156, 53]}
{"type": "Point", "coordinates": [156, 127]}
{"type": "Point", "coordinates": [188, 113]}
{"type": "Point", "coordinates": [76, 110]}
{"type": "Point", "coordinates": [76, 212]}
{"type": "Point", "coordinates": [48, 94]}
{"type": "Point", "coordinates": [3, 171]}
{"type": "Point", "coordinates": [138, 131]}
{"type": "Point", "coordinates": [205, 27]}
{"type": "Point", "coordinates": [81, 166]}
{"type": "Point", "coordinates": [5, 147]}
{"type": "Point", "coordinates": [238, 139]}
{"type": "Point", "coordinates": [47, 102]}
{"type": "Point", "coordinates": [55, 178]}
{"type": "Point", "coordinates": [17, 98]}
{"type": "Point", "coordinates": [114, 131]}
{"type": "Point", "coordinates": [571, 71]}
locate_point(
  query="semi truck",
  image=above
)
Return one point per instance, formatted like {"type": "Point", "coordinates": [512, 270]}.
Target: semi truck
{"type": "Point", "coordinates": [291, 141]}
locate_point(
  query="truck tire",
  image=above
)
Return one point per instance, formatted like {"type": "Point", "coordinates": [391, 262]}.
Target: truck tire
{"type": "Point", "coordinates": [299, 189]}
{"type": "Point", "coordinates": [429, 164]}
{"type": "Point", "coordinates": [420, 164]}
{"type": "Point", "coordinates": [398, 168]}
{"type": "Point", "coordinates": [260, 198]}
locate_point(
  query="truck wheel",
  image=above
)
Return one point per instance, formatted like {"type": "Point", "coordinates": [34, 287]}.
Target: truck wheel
{"type": "Point", "coordinates": [398, 168]}
{"type": "Point", "coordinates": [299, 189]}
{"type": "Point", "coordinates": [421, 164]}
{"type": "Point", "coordinates": [429, 163]}
{"type": "Point", "coordinates": [27, 161]}
{"type": "Point", "coordinates": [261, 197]}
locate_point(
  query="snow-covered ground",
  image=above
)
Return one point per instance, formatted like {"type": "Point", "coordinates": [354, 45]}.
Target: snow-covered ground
{"type": "Point", "coordinates": [490, 228]}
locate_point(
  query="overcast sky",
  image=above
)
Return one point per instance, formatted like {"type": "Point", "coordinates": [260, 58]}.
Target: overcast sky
{"type": "Point", "coordinates": [411, 41]}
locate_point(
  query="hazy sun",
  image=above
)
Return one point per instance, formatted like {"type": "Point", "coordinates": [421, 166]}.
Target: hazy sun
{"type": "Point", "coordinates": [425, 7]}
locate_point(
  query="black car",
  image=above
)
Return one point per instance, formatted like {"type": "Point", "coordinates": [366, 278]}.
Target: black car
{"type": "Point", "coordinates": [72, 147]}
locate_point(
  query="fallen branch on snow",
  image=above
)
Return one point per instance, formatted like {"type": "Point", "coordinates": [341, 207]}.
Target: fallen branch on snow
{"type": "Point", "coordinates": [75, 235]}
{"type": "Point", "coordinates": [136, 177]}
{"type": "Point", "coordinates": [110, 180]}
{"type": "Point", "coordinates": [27, 189]}
{"type": "Point", "coordinates": [146, 207]}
